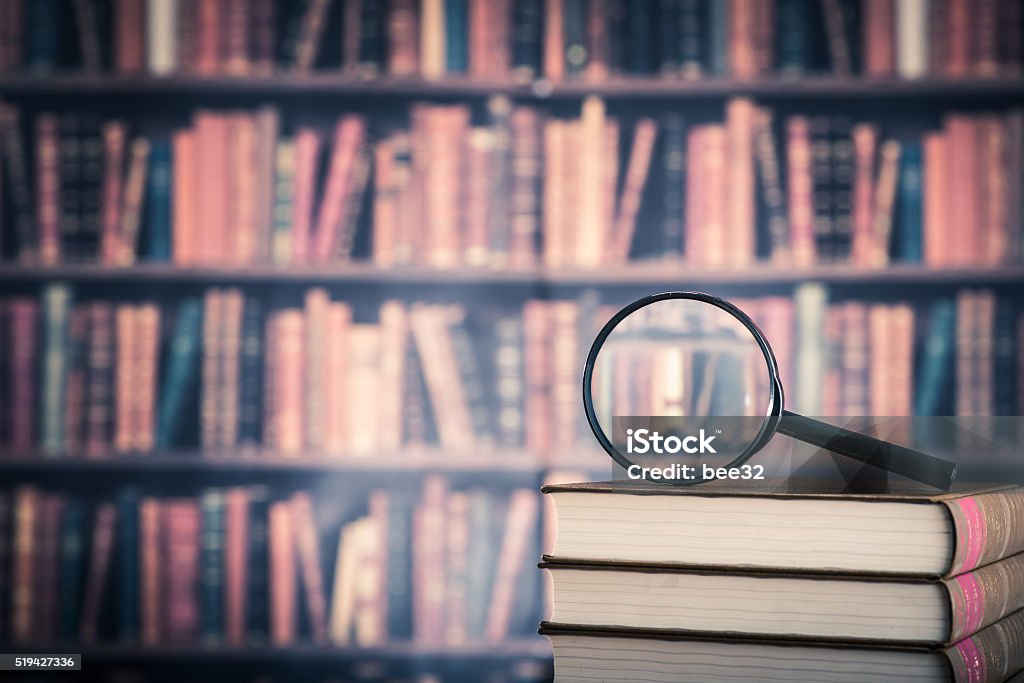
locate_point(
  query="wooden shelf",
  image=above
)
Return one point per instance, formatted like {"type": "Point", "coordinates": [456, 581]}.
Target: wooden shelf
{"type": "Point", "coordinates": [340, 85]}
{"type": "Point", "coordinates": [634, 274]}
{"type": "Point", "coordinates": [523, 648]}
{"type": "Point", "coordinates": [493, 462]}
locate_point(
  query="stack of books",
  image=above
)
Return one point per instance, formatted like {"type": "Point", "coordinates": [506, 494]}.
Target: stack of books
{"type": "Point", "coordinates": [658, 583]}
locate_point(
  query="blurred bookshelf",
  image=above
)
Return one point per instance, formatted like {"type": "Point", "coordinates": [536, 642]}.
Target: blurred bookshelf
{"type": "Point", "coordinates": [636, 273]}
{"type": "Point", "coordinates": [457, 194]}
{"type": "Point", "coordinates": [655, 88]}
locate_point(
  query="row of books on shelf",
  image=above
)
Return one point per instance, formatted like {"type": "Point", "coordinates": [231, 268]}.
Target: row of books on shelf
{"type": "Point", "coordinates": [231, 372]}
{"type": "Point", "coordinates": [499, 39]}
{"type": "Point", "coordinates": [522, 188]}
{"type": "Point", "coordinates": [245, 566]}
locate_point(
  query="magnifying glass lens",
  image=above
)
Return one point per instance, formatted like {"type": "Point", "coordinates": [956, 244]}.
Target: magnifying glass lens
{"type": "Point", "coordinates": [681, 381]}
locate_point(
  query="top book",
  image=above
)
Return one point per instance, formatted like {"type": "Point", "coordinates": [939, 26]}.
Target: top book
{"type": "Point", "coordinates": [786, 526]}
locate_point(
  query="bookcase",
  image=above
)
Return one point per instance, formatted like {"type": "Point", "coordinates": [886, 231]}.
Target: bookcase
{"type": "Point", "coordinates": [434, 205]}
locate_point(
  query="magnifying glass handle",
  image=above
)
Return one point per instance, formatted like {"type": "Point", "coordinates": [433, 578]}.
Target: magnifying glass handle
{"type": "Point", "coordinates": [906, 462]}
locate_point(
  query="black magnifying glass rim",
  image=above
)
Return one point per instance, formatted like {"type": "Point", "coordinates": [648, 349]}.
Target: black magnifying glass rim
{"type": "Point", "coordinates": [775, 407]}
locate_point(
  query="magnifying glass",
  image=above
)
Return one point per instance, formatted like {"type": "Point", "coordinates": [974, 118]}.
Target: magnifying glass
{"type": "Point", "coordinates": [684, 386]}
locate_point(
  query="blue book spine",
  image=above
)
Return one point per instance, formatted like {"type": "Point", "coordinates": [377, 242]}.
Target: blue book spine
{"type": "Point", "coordinates": [576, 37]}
{"type": "Point", "coordinates": [399, 563]}
{"type": "Point", "coordinates": [257, 612]}
{"type": "Point", "coordinates": [158, 201]}
{"type": "Point", "coordinates": [909, 219]}
{"type": "Point", "coordinates": [936, 371]}
{"type": "Point", "coordinates": [181, 375]}
{"type": "Point", "coordinates": [456, 41]}
{"type": "Point", "coordinates": [42, 27]}
{"type": "Point", "coordinates": [1006, 400]}
{"type": "Point", "coordinates": [72, 561]}
{"type": "Point", "coordinates": [792, 36]}
{"type": "Point", "coordinates": [484, 532]}
{"type": "Point", "coordinates": [641, 40]}
{"type": "Point", "coordinates": [211, 601]}
{"type": "Point", "coordinates": [718, 37]}
{"type": "Point", "coordinates": [128, 565]}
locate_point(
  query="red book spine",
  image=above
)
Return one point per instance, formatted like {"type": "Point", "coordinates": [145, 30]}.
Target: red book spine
{"type": "Point", "coordinates": [99, 389]}
{"type": "Point", "coordinates": [477, 207]}
{"type": "Point", "coordinates": [245, 233]}
{"type": "Point", "coordinates": [565, 347]}
{"type": "Point", "coordinates": [525, 195]}
{"type": "Point", "coordinates": [289, 382]}
{"type": "Point", "coordinates": [208, 38]}
{"type": "Point", "coordinates": [632, 191]}
{"type": "Point", "coordinates": [879, 35]}
{"type": "Point", "coordinates": [763, 35]}
{"type": "Point", "coordinates": [181, 525]}
{"type": "Point", "coordinates": [124, 377]}
{"type": "Point", "coordinates": [554, 40]}
{"type": "Point", "coordinates": [264, 39]}
{"type": "Point", "coordinates": [403, 57]}
{"type": "Point", "coordinates": [937, 200]}
{"type": "Point", "coordinates": [307, 149]}
{"type": "Point", "coordinates": [479, 38]}
{"type": "Point", "coordinates": [282, 575]}
{"type": "Point", "coordinates": [12, 21]}
{"type": "Point", "coordinates": [865, 139]}
{"type": "Point", "coordinates": [184, 207]}
{"type": "Point", "coordinates": [236, 566]}
{"type": "Point", "coordinates": [26, 511]}
{"type": "Point", "coordinates": [555, 160]}
{"type": "Point", "coordinates": [963, 175]}
{"type": "Point", "coordinates": [741, 219]}
{"type": "Point", "coordinates": [597, 44]}
{"type": "Point", "coordinates": [742, 56]}
{"type": "Point", "coordinates": [995, 236]}
{"type": "Point", "coordinates": [130, 27]}
{"type": "Point", "coordinates": [696, 186]}
{"type": "Point", "coordinates": [958, 37]}
{"type": "Point", "coordinates": [99, 568]}
{"type": "Point", "coordinates": [800, 191]}
{"type": "Point", "coordinates": [47, 189]}
{"type": "Point", "coordinates": [716, 197]}
{"type": "Point", "coordinates": [350, 40]}
{"type": "Point", "coordinates": [188, 36]}
{"type": "Point", "coordinates": [339, 318]}
{"type": "Point", "coordinates": [385, 204]}
{"type": "Point", "coordinates": [213, 186]}
{"type": "Point", "coordinates": [316, 383]}
{"type": "Point", "coordinates": [114, 134]}
{"type": "Point", "coordinates": [146, 361]}
{"type": "Point", "coordinates": [151, 569]}
{"type": "Point", "coordinates": [307, 545]}
{"type": "Point", "coordinates": [985, 31]}
{"type": "Point", "coordinates": [349, 135]}
{"type": "Point", "coordinates": [499, 44]}
{"type": "Point", "coordinates": [236, 37]}
{"type": "Point", "coordinates": [24, 315]}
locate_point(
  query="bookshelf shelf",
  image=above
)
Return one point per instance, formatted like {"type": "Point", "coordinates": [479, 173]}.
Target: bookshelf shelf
{"type": "Point", "coordinates": [503, 462]}
{"type": "Point", "coordinates": [341, 85]}
{"type": "Point", "coordinates": [637, 273]}
{"type": "Point", "coordinates": [532, 648]}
